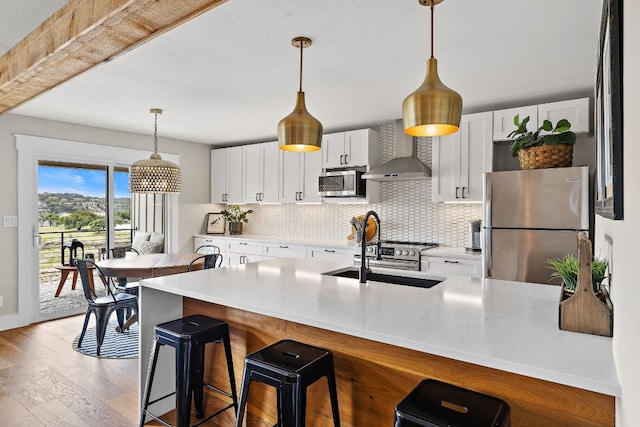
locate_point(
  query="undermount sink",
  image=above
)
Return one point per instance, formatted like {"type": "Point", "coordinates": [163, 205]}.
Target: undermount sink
{"type": "Point", "coordinates": [417, 282]}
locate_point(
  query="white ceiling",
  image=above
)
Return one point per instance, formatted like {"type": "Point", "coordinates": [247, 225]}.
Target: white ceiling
{"type": "Point", "coordinates": [231, 74]}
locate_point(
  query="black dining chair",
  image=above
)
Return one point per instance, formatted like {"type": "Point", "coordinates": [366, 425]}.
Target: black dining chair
{"type": "Point", "coordinates": [210, 261]}
{"type": "Point", "coordinates": [208, 249]}
{"type": "Point", "coordinates": [102, 307]}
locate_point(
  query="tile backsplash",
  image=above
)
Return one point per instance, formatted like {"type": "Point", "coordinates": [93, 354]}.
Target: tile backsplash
{"type": "Point", "coordinates": [405, 209]}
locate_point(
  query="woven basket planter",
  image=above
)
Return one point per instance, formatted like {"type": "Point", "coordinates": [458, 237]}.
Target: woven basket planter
{"type": "Point", "coordinates": [546, 156]}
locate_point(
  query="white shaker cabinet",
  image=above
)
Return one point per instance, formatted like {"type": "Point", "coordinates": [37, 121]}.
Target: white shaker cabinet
{"type": "Point", "coordinates": [299, 176]}
{"type": "Point", "coordinates": [347, 149]}
{"type": "Point", "coordinates": [284, 250]}
{"type": "Point", "coordinates": [460, 159]}
{"type": "Point", "coordinates": [226, 175]}
{"type": "Point", "coordinates": [451, 265]}
{"type": "Point", "coordinates": [243, 252]}
{"type": "Point", "coordinates": [322, 253]}
{"type": "Point", "coordinates": [574, 110]}
{"type": "Point", "coordinates": [503, 121]}
{"type": "Point", "coordinates": [260, 163]}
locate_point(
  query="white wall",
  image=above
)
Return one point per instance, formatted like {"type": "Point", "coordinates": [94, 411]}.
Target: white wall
{"type": "Point", "coordinates": [625, 290]}
{"type": "Point", "coordinates": [192, 201]}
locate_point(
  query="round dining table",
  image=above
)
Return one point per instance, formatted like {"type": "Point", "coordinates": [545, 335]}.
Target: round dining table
{"type": "Point", "coordinates": [145, 266]}
{"type": "Point", "coordinates": [148, 265]}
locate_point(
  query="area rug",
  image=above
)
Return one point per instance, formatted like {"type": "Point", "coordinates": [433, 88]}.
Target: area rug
{"type": "Point", "coordinates": [115, 345]}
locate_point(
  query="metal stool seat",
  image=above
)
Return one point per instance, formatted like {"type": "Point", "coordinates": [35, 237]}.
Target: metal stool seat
{"type": "Point", "coordinates": [291, 367]}
{"type": "Point", "coordinates": [188, 336]}
{"type": "Point", "coordinates": [434, 403]}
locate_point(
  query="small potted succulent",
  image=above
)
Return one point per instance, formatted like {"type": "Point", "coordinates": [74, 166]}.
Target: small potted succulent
{"type": "Point", "coordinates": [236, 216]}
{"type": "Point", "coordinates": [536, 149]}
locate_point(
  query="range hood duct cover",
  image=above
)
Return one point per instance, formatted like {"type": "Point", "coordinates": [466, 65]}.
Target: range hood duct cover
{"type": "Point", "coordinates": [405, 166]}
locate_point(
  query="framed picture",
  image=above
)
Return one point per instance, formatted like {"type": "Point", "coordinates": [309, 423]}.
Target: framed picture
{"type": "Point", "coordinates": [608, 114]}
{"type": "Point", "coordinates": [215, 223]}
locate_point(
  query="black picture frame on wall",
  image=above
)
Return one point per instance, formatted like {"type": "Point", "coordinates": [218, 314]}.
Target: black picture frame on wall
{"type": "Point", "coordinates": [608, 114]}
{"type": "Point", "coordinates": [215, 223]}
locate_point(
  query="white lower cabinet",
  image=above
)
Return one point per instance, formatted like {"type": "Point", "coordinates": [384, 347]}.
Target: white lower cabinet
{"type": "Point", "coordinates": [279, 250]}
{"type": "Point", "coordinates": [451, 265]}
{"type": "Point", "coordinates": [243, 252]}
{"type": "Point", "coordinates": [237, 258]}
{"type": "Point", "coordinates": [322, 253]}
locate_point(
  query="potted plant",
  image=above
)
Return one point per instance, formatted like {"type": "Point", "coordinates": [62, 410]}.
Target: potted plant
{"type": "Point", "coordinates": [236, 216]}
{"type": "Point", "coordinates": [566, 268]}
{"type": "Point", "coordinates": [537, 150]}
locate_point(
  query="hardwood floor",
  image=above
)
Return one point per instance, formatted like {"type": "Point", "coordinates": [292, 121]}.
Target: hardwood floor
{"type": "Point", "coordinates": [44, 382]}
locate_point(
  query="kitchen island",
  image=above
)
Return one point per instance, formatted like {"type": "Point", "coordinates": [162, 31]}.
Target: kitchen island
{"type": "Point", "coordinates": [495, 337]}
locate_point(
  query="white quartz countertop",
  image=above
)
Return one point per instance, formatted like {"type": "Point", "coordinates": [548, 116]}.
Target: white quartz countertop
{"type": "Point", "coordinates": [511, 326]}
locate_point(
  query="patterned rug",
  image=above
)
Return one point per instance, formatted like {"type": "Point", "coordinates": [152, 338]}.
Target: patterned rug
{"type": "Point", "coordinates": [115, 345]}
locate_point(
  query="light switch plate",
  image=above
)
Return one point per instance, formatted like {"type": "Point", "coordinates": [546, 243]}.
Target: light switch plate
{"type": "Point", "coordinates": [10, 220]}
{"type": "Point", "coordinates": [1, 301]}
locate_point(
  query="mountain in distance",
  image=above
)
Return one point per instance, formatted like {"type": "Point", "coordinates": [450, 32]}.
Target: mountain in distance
{"type": "Point", "coordinates": [67, 203]}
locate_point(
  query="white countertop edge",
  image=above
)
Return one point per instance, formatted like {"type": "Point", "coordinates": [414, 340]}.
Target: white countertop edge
{"type": "Point", "coordinates": [554, 376]}
{"type": "Point", "coordinates": [338, 244]}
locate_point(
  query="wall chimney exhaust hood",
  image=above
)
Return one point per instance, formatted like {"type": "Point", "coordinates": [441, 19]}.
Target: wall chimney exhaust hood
{"type": "Point", "coordinates": [405, 166]}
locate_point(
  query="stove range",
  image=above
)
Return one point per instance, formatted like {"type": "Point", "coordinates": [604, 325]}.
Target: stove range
{"type": "Point", "coordinates": [396, 254]}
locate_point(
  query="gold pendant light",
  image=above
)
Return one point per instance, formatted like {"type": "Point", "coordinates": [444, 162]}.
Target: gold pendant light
{"type": "Point", "coordinates": [300, 131]}
{"type": "Point", "coordinates": [154, 175]}
{"type": "Point", "coordinates": [433, 109]}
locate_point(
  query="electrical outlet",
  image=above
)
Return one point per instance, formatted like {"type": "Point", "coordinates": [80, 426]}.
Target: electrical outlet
{"type": "Point", "coordinates": [10, 221]}
{"type": "Point", "coordinates": [1, 301]}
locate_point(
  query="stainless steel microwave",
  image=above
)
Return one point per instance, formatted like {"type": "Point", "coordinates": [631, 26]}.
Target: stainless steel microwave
{"type": "Point", "coordinates": [342, 183]}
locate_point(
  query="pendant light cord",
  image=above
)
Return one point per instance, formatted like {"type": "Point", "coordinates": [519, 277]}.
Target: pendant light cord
{"type": "Point", "coordinates": [155, 134]}
{"type": "Point", "coordinates": [301, 48]}
{"type": "Point", "coordinates": [432, 29]}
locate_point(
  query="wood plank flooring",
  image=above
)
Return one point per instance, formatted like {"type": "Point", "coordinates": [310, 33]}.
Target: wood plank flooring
{"type": "Point", "coordinates": [44, 382]}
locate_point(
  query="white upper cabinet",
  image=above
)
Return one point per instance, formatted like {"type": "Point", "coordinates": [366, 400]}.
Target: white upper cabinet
{"type": "Point", "coordinates": [260, 163]}
{"type": "Point", "coordinates": [460, 159]}
{"type": "Point", "coordinates": [574, 110]}
{"type": "Point", "coordinates": [346, 149]}
{"type": "Point", "coordinates": [503, 121]}
{"type": "Point", "coordinates": [226, 175]}
{"type": "Point", "coordinates": [299, 176]}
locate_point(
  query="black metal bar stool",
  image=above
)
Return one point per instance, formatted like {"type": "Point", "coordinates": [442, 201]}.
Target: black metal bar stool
{"type": "Point", "coordinates": [291, 367]}
{"type": "Point", "coordinates": [434, 403]}
{"type": "Point", "coordinates": [188, 336]}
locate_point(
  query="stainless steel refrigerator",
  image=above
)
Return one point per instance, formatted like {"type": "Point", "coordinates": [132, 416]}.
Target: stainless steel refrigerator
{"type": "Point", "coordinates": [530, 216]}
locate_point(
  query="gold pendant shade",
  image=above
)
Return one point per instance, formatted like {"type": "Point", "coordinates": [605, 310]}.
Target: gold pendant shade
{"type": "Point", "coordinates": [433, 109]}
{"type": "Point", "coordinates": [300, 131]}
{"type": "Point", "coordinates": [154, 175]}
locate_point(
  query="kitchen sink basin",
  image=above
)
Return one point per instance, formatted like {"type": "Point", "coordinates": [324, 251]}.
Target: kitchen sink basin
{"type": "Point", "coordinates": [418, 282]}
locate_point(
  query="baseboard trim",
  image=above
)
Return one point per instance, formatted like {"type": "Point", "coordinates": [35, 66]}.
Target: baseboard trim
{"type": "Point", "coordinates": [9, 321]}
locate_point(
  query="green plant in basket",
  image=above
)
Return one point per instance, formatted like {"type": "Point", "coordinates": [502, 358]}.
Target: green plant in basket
{"type": "Point", "coordinates": [234, 213]}
{"type": "Point", "coordinates": [566, 267]}
{"type": "Point", "coordinates": [523, 138]}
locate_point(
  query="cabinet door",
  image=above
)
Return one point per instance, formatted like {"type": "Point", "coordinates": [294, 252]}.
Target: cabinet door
{"type": "Point", "coordinates": [476, 154]}
{"type": "Point", "coordinates": [275, 250]}
{"type": "Point", "coordinates": [318, 253]}
{"type": "Point", "coordinates": [446, 168]}
{"type": "Point", "coordinates": [503, 121]}
{"type": "Point", "coordinates": [311, 170]}
{"type": "Point", "coordinates": [291, 164]}
{"type": "Point", "coordinates": [356, 147]}
{"type": "Point", "coordinates": [270, 172]}
{"type": "Point", "coordinates": [218, 175]}
{"type": "Point", "coordinates": [333, 150]}
{"type": "Point", "coordinates": [234, 175]}
{"type": "Point", "coordinates": [451, 266]}
{"type": "Point", "coordinates": [574, 110]}
{"type": "Point", "coordinates": [252, 167]}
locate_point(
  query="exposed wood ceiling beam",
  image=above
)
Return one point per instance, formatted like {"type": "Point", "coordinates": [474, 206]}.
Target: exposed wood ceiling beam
{"type": "Point", "coordinates": [82, 34]}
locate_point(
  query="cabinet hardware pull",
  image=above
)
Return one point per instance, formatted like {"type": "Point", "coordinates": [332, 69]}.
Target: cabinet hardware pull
{"type": "Point", "coordinates": [346, 162]}
{"type": "Point", "coordinates": [242, 243]}
{"type": "Point", "coordinates": [256, 197]}
{"type": "Point", "coordinates": [284, 247]}
{"type": "Point", "coordinates": [457, 189]}
{"type": "Point", "coordinates": [463, 192]}
{"type": "Point", "coordinates": [341, 156]}
{"type": "Point", "coordinates": [451, 262]}
{"type": "Point", "coordinates": [330, 251]}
